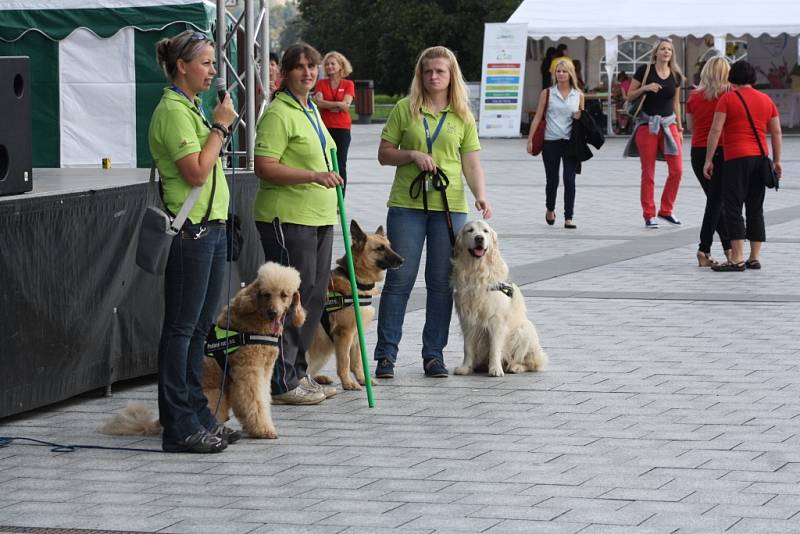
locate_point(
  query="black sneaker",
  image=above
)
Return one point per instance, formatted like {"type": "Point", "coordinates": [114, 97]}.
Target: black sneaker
{"type": "Point", "coordinates": [435, 368]}
{"type": "Point", "coordinates": [226, 433]}
{"type": "Point", "coordinates": [201, 442]}
{"type": "Point", "coordinates": [384, 369]}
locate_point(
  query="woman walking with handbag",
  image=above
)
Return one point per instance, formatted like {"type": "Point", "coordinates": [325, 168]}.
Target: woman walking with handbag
{"type": "Point", "coordinates": [558, 106]}
{"type": "Point", "coordinates": [699, 113]}
{"type": "Point", "coordinates": [432, 139]}
{"type": "Point", "coordinates": [185, 148]}
{"type": "Point", "coordinates": [658, 130]}
{"type": "Point", "coordinates": [743, 116]}
{"type": "Point", "coordinates": [295, 210]}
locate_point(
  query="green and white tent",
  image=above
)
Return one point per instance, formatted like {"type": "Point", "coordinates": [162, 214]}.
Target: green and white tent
{"type": "Point", "coordinates": [94, 78]}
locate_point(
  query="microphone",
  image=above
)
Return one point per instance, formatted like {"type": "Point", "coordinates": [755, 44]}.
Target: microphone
{"type": "Point", "coordinates": [219, 83]}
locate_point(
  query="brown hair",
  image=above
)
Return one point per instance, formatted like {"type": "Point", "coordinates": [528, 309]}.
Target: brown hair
{"type": "Point", "coordinates": [186, 46]}
{"type": "Point", "coordinates": [292, 56]}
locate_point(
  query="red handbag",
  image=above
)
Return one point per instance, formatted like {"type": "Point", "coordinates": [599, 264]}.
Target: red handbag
{"type": "Point", "coordinates": [537, 141]}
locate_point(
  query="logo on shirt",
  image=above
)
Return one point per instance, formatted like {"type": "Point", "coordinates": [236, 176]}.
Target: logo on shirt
{"type": "Point", "coordinates": [183, 143]}
{"type": "Point", "coordinates": [450, 128]}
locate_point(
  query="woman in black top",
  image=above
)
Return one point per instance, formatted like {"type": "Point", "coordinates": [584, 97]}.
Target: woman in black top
{"type": "Point", "coordinates": [658, 130]}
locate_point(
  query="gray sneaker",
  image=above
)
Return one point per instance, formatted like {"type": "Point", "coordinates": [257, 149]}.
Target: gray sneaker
{"type": "Point", "coordinates": [308, 382]}
{"type": "Point", "coordinates": [301, 395]}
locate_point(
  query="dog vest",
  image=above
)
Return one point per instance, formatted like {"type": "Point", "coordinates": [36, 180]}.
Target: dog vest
{"type": "Point", "coordinates": [221, 342]}
{"type": "Point", "coordinates": [505, 288]}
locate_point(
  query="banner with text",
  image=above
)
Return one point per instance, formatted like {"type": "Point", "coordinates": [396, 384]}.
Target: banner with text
{"type": "Point", "coordinates": [504, 48]}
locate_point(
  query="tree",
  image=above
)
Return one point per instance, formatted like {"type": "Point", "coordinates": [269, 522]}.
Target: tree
{"type": "Point", "coordinates": [383, 38]}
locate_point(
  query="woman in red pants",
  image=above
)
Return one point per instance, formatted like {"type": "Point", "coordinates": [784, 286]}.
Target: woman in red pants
{"type": "Point", "coordinates": [658, 130]}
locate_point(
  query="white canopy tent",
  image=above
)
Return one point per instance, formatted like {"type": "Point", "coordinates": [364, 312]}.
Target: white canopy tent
{"type": "Point", "coordinates": [626, 19]}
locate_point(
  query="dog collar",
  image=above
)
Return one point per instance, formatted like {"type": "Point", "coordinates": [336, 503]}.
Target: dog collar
{"type": "Point", "coordinates": [337, 301]}
{"type": "Point", "coordinates": [504, 287]}
{"type": "Point", "coordinates": [361, 286]}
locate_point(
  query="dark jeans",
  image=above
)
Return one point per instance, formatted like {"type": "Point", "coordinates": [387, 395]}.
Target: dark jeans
{"type": "Point", "coordinates": [309, 250]}
{"type": "Point", "coordinates": [192, 288]}
{"type": "Point", "coordinates": [712, 219]}
{"type": "Point", "coordinates": [553, 154]}
{"type": "Point", "coordinates": [743, 184]}
{"type": "Point", "coordinates": [342, 138]}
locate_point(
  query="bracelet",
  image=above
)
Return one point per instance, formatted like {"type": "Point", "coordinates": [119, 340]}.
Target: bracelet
{"type": "Point", "coordinates": [222, 129]}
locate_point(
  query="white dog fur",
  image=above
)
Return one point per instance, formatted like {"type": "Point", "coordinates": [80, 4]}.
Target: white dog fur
{"type": "Point", "coordinates": [496, 329]}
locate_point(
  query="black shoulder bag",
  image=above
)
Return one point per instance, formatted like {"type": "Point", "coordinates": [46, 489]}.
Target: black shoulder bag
{"type": "Point", "coordinates": [771, 178]}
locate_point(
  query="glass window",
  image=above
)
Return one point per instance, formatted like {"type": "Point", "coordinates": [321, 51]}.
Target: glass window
{"type": "Point", "coordinates": [630, 55]}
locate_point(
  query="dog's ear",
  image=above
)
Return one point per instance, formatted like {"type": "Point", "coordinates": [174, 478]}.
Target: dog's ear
{"type": "Point", "coordinates": [246, 301]}
{"type": "Point", "coordinates": [299, 315]}
{"type": "Point", "coordinates": [380, 231]}
{"type": "Point", "coordinates": [357, 234]}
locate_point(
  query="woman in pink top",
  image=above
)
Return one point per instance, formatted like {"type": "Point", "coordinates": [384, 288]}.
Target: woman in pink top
{"type": "Point", "coordinates": [699, 115]}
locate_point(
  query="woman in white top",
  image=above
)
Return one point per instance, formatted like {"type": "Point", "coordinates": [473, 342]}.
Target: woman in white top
{"type": "Point", "coordinates": [564, 103]}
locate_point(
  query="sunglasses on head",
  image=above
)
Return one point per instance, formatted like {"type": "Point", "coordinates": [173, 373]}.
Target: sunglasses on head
{"type": "Point", "coordinates": [193, 38]}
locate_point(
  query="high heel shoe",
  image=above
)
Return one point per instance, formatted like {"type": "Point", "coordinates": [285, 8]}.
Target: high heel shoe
{"type": "Point", "coordinates": [705, 260]}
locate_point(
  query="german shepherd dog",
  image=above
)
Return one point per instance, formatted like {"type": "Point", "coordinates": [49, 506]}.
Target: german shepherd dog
{"type": "Point", "coordinates": [372, 255]}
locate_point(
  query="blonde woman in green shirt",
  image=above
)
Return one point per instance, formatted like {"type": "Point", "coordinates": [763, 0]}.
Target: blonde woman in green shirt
{"type": "Point", "coordinates": [295, 210]}
{"type": "Point", "coordinates": [185, 146]}
{"type": "Point", "coordinates": [431, 138]}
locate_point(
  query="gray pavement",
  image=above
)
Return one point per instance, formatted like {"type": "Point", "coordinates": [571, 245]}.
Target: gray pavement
{"type": "Point", "coordinates": [670, 405]}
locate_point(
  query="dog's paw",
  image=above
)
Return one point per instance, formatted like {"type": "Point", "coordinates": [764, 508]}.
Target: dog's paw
{"type": "Point", "coordinates": [360, 379]}
{"type": "Point", "coordinates": [463, 370]}
{"type": "Point", "coordinates": [515, 368]}
{"type": "Point", "coordinates": [496, 371]}
{"type": "Point", "coordinates": [350, 385]}
{"type": "Point", "coordinates": [263, 433]}
{"type": "Point", "coordinates": [323, 379]}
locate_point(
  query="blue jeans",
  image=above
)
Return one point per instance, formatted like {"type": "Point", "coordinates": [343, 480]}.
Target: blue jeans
{"type": "Point", "coordinates": [193, 285]}
{"type": "Point", "coordinates": [408, 229]}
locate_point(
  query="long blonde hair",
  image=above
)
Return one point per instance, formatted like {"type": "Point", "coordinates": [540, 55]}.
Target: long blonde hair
{"type": "Point", "coordinates": [714, 77]}
{"type": "Point", "coordinates": [457, 95]}
{"type": "Point", "coordinates": [570, 68]}
{"type": "Point", "coordinates": [676, 71]}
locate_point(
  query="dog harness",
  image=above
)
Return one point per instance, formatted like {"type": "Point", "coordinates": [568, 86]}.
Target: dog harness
{"type": "Point", "coordinates": [338, 301]}
{"type": "Point", "coordinates": [221, 342]}
{"type": "Point", "coordinates": [504, 287]}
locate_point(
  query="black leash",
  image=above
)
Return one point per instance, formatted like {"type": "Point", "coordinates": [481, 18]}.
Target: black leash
{"type": "Point", "coordinates": [5, 441]}
{"type": "Point", "coordinates": [439, 182]}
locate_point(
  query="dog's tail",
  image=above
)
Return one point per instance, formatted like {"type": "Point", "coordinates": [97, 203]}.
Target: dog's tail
{"type": "Point", "coordinates": [135, 420]}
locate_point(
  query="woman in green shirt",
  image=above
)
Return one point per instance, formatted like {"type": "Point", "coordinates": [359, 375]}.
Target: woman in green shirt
{"type": "Point", "coordinates": [185, 147]}
{"type": "Point", "coordinates": [431, 138]}
{"type": "Point", "coordinates": [295, 210]}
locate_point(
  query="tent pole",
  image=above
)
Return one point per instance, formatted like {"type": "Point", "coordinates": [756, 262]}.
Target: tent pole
{"type": "Point", "coordinates": [250, 83]}
{"type": "Point", "coordinates": [265, 50]}
{"type": "Point", "coordinates": [220, 41]}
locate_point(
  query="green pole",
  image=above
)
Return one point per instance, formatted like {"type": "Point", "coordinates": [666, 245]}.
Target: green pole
{"type": "Point", "coordinates": [353, 285]}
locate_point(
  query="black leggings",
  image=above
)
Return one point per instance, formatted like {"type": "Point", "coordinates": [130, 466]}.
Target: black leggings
{"type": "Point", "coordinates": [553, 153]}
{"type": "Point", "coordinates": [342, 138]}
{"type": "Point", "coordinates": [712, 218]}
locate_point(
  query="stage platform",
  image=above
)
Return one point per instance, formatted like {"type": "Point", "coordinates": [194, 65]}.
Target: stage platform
{"type": "Point", "coordinates": [77, 312]}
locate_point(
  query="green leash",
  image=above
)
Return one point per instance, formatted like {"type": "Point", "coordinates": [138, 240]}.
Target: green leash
{"type": "Point", "coordinates": [353, 285]}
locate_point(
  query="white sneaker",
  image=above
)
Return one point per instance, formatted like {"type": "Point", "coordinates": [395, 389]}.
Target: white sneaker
{"type": "Point", "coordinates": [651, 223]}
{"type": "Point", "coordinates": [309, 383]}
{"type": "Point", "coordinates": [299, 396]}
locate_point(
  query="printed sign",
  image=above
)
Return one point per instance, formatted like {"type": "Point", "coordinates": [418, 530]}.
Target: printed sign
{"type": "Point", "coordinates": [504, 47]}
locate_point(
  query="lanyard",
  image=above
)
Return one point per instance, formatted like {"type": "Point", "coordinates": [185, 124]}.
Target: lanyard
{"type": "Point", "coordinates": [197, 105]}
{"type": "Point", "coordinates": [428, 139]}
{"type": "Point", "coordinates": [315, 124]}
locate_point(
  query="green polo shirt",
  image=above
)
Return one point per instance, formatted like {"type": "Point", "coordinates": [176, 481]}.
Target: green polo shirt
{"type": "Point", "coordinates": [284, 133]}
{"type": "Point", "coordinates": [177, 130]}
{"type": "Point", "coordinates": [455, 138]}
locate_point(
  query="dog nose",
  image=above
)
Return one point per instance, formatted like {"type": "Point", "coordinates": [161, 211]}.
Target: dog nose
{"type": "Point", "coordinates": [479, 240]}
{"type": "Point", "coordinates": [271, 314]}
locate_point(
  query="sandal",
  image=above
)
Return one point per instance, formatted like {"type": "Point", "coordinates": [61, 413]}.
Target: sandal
{"type": "Point", "coordinates": [752, 264]}
{"type": "Point", "coordinates": [705, 260]}
{"type": "Point", "coordinates": [728, 267]}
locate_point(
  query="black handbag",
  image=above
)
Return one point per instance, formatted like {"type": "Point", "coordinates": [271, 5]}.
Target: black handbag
{"type": "Point", "coordinates": [771, 178]}
{"type": "Point", "coordinates": [633, 108]}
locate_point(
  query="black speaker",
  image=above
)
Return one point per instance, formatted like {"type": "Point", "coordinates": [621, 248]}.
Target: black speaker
{"type": "Point", "coordinates": [16, 138]}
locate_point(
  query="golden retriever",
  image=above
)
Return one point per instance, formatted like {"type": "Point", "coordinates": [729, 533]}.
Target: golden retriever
{"type": "Point", "coordinates": [259, 308]}
{"type": "Point", "coordinates": [372, 255]}
{"type": "Point", "coordinates": [492, 313]}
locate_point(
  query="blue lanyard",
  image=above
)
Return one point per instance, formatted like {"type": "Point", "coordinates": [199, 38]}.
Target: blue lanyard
{"type": "Point", "coordinates": [196, 105]}
{"type": "Point", "coordinates": [428, 139]}
{"type": "Point", "coordinates": [316, 125]}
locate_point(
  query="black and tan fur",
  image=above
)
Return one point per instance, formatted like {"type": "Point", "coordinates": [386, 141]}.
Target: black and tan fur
{"type": "Point", "coordinates": [372, 255]}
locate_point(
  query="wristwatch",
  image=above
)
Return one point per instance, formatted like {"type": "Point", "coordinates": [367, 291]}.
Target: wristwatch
{"type": "Point", "coordinates": [221, 127]}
